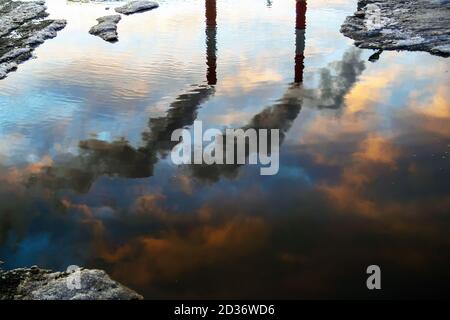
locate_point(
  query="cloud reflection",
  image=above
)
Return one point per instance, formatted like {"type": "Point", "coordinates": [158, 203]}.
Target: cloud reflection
{"type": "Point", "coordinates": [363, 179]}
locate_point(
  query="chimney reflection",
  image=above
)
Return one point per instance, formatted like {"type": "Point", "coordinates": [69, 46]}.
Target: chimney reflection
{"type": "Point", "coordinates": [211, 41]}
{"type": "Point", "coordinates": [300, 30]}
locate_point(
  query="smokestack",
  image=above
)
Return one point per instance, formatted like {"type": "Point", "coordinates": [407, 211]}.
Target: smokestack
{"type": "Point", "coordinates": [211, 41]}
{"type": "Point", "coordinates": [300, 30]}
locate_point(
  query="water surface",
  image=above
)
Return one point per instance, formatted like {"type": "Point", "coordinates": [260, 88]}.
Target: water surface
{"type": "Point", "coordinates": [364, 174]}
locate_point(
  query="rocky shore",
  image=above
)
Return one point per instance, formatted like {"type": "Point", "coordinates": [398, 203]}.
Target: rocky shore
{"type": "Point", "coordinates": [81, 284]}
{"type": "Point", "coordinates": [107, 28]}
{"type": "Point", "coordinates": [23, 27]}
{"type": "Point", "coordinates": [137, 6]}
{"type": "Point", "coordinates": [107, 25]}
{"type": "Point", "coordinates": [414, 25]}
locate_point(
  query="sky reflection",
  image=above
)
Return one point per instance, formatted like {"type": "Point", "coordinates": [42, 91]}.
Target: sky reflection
{"type": "Point", "coordinates": [364, 163]}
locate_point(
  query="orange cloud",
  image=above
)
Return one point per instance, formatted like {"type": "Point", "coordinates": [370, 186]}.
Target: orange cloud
{"type": "Point", "coordinates": [158, 258]}
{"type": "Point", "coordinates": [376, 148]}
{"type": "Point", "coordinates": [356, 175]}
{"type": "Point", "coordinates": [151, 205]}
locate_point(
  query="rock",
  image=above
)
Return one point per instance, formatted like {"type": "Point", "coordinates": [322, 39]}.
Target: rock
{"type": "Point", "coordinates": [15, 13]}
{"type": "Point", "coordinates": [107, 28]}
{"type": "Point", "coordinates": [360, 14]}
{"type": "Point", "coordinates": [415, 25]}
{"type": "Point", "coordinates": [48, 32]}
{"type": "Point", "coordinates": [6, 68]}
{"type": "Point", "coordinates": [40, 284]}
{"type": "Point", "coordinates": [376, 56]}
{"type": "Point", "coordinates": [23, 27]}
{"type": "Point", "coordinates": [137, 6]}
{"type": "Point", "coordinates": [442, 49]}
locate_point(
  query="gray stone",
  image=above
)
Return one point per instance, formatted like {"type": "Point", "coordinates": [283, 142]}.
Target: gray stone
{"type": "Point", "coordinates": [137, 6]}
{"type": "Point", "coordinates": [23, 27]}
{"type": "Point", "coordinates": [106, 28]}
{"type": "Point", "coordinates": [40, 284]}
{"type": "Point", "coordinates": [415, 25]}
{"type": "Point", "coordinates": [48, 32]}
{"type": "Point", "coordinates": [15, 13]}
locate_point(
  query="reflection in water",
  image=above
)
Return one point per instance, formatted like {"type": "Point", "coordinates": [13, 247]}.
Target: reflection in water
{"type": "Point", "coordinates": [330, 94]}
{"type": "Point", "coordinates": [211, 38]}
{"type": "Point", "coordinates": [333, 88]}
{"type": "Point", "coordinates": [363, 175]}
{"type": "Point", "coordinates": [282, 114]}
{"type": "Point", "coordinates": [118, 158]}
{"type": "Point", "coordinates": [98, 158]}
{"type": "Point", "coordinates": [279, 116]}
{"type": "Point", "coordinates": [300, 30]}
